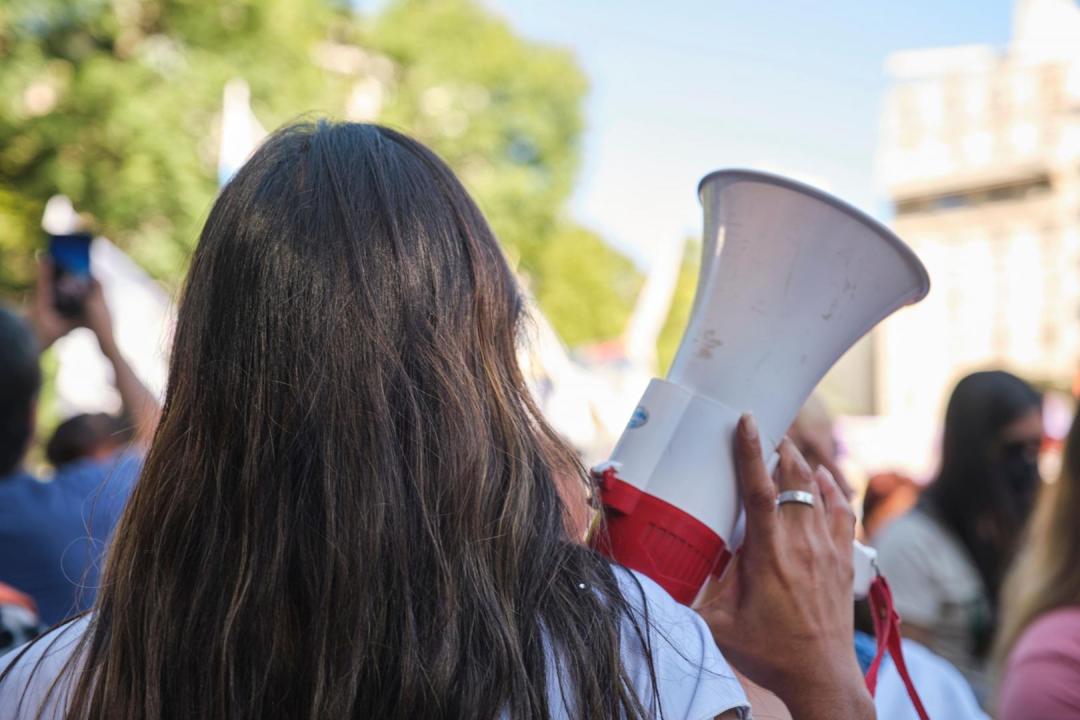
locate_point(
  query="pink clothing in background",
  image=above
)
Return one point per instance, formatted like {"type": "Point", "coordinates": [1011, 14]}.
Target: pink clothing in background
{"type": "Point", "coordinates": [1042, 675]}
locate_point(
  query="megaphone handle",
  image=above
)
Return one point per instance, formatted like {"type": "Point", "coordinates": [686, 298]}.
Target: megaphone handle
{"type": "Point", "coordinates": [864, 562]}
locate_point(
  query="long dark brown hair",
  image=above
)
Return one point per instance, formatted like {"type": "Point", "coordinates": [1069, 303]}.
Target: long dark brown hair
{"type": "Point", "coordinates": [974, 495]}
{"type": "Point", "coordinates": [351, 505]}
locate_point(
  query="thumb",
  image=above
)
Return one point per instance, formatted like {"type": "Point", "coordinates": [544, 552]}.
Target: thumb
{"type": "Point", "coordinates": [722, 595]}
{"type": "Point", "coordinates": [43, 289]}
{"type": "Point", "coordinates": [719, 609]}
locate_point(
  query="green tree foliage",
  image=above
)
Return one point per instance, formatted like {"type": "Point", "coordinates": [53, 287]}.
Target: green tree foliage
{"type": "Point", "coordinates": [681, 302]}
{"type": "Point", "coordinates": [506, 114]}
{"type": "Point", "coordinates": [582, 283]}
{"type": "Point", "coordinates": [117, 103]}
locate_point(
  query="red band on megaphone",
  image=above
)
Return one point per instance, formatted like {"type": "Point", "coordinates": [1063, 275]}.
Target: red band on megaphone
{"type": "Point", "coordinates": [644, 533]}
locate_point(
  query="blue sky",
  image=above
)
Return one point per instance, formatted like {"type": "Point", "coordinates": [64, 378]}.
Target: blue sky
{"type": "Point", "coordinates": [688, 86]}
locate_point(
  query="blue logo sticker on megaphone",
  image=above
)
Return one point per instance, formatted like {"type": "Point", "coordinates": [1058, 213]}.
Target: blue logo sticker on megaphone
{"type": "Point", "coordinates": [639, 418]}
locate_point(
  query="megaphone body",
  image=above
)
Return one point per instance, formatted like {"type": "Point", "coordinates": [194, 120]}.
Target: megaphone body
{"type": "Point", "coordinates": [790, 279]}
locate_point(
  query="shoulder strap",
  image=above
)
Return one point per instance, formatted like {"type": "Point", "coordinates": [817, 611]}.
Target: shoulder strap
{"type": "Point", "coordinates": [887, 632]}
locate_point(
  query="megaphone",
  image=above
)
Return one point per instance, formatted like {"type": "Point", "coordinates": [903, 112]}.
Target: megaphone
{"type": "Point", "coordinates": [790, 279]}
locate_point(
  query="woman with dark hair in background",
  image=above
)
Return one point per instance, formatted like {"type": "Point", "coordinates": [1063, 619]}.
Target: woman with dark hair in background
{"type": "Point", "coordinates": [1038, 646]}
{"type": "Point", "coordinates": [352, 507]}
{"type": "Point", "coordinates": [946, 558]}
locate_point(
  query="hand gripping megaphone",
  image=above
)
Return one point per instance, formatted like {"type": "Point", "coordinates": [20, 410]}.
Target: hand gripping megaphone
{"type": "Point", "coordinates": [790, 279]}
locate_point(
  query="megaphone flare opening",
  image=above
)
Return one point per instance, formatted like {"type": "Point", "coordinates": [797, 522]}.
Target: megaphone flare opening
{"type": "Point", "coordinates": [735, 175]}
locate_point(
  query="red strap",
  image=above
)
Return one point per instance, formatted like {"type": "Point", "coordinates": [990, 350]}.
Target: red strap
{"type": "Point", "coordinates": [887, 632]}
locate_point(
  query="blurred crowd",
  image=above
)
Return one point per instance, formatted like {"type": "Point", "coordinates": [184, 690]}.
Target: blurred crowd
{"type": "Point", "coordinates": [54, 528]}
{"type": "Point", "coordinates": [983, 562]}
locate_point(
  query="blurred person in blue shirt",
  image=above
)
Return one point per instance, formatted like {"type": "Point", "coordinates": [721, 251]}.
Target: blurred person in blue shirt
{"type": "Point", "coordinates": [53, 532]}
{"type": "Point", "coordinates": [95, 436]}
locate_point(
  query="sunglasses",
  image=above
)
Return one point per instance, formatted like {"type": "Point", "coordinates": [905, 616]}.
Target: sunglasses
{"type": "Point", "coordinates": [1025, 447]}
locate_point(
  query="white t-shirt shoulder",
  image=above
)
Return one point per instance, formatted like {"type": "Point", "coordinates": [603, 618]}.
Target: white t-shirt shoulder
{"type": "Point", "coordinates": [30, 681]}
{"type": "Point", "coordinates": [693, 681]}
{"type": "Point", "coordinates": [936, 585]}
{"type": "Point", "coordinates": [927, 567]}
{"type": "Point", "coordinates": [944, 691]}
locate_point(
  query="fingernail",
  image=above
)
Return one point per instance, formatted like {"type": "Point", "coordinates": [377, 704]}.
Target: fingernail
{"type": "Point", "coordinates": [750, 425]}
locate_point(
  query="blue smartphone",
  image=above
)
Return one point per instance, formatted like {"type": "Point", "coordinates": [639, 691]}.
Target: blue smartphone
{"type": "Point", "coordinates": [71, 271]}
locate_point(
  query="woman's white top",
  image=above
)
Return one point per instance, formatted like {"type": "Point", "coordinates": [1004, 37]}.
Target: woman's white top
{"type": "Point", "coordinates": [936, 586]}
{"type": "Point", "coordinates": [693, 680]}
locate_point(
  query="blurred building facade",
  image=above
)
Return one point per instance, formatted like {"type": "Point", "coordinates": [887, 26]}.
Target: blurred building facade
{"type": "Point", "coordinates": [980, 155]}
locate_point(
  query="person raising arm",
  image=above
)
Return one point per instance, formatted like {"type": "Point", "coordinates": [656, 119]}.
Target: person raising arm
{"type": "Point", "coordinates": [53, 533]}
{"type": "Point", "coordinates": [140, 405]}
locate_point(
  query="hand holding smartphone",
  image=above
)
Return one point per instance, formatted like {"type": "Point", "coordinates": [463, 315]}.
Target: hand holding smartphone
{"type": "Point", "coordinates": [70, 255]}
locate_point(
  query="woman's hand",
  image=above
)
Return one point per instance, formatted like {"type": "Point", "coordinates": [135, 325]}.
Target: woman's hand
{"type": "Point", "coordinates": [782, 614]}
{"type": "Point", "coordinates": [48, 324]}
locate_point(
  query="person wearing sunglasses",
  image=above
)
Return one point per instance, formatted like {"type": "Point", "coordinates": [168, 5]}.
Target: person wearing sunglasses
{"type": "Point", "coordinates": [947, 557]}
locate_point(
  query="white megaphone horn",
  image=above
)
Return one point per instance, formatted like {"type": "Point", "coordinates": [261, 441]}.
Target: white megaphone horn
{"type": "Point", "coordinates": [790, 279]}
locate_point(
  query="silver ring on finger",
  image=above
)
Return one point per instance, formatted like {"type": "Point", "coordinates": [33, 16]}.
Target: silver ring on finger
{"type": "Point", "coordinates": [795, 496]}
